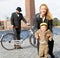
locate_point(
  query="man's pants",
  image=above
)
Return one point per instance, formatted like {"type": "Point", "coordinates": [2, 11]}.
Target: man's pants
{"type": "Point", "coordinates": [18, 30]}
{"type": "Point", "coordinates": [50, 46]}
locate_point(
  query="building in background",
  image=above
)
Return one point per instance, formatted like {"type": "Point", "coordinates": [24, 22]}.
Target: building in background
{"type": "Point", "coordinates": [30, 13]}
{"type": "Point", "coordinates": [1, 24]}
{"type": "Point", "coordinates": [6, 25]}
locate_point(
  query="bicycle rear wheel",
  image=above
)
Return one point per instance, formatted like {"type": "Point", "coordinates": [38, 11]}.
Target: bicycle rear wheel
{"type": "Point", "coordinates": [7, 41]}
{"type": "Point", "coordinates": [33, 41]}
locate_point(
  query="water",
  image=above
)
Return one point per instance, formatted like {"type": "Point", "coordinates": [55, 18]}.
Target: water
{"type": "Point", "coordinates": [25, 33]}
{"type": "Point", "coordinates": [56, 31]}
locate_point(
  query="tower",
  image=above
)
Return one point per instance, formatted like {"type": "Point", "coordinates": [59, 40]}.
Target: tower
{"type": "Point", "coordinates": [30, 10]}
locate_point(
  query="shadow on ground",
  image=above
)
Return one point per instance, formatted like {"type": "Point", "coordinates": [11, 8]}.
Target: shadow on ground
{"type": "Point", "coordinates": [57, 54]}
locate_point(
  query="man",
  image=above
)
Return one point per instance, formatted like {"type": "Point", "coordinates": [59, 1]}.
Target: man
{"type": "Point", "coordinates": [16, 23]}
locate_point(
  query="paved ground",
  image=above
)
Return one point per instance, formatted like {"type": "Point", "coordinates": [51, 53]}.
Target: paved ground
{"type": "Point", "coordinates": [28, 51]}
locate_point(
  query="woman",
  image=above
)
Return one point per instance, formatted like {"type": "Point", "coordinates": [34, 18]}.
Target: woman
{"type": "Point", "coordinates": [44, 16]}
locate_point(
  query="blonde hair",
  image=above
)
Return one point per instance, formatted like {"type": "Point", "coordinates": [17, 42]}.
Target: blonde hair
{"type": "Point", "coordinates": [43, 24]}
{"type": "Point", "coordinates": [48, 14]}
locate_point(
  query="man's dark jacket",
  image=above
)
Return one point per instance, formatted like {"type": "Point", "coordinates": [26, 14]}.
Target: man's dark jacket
{"type": "Point", "coordinates": [16, 21]}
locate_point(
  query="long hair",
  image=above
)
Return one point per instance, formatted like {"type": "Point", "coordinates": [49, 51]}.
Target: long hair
{"type": "Point", "coordinates": [48, 14]}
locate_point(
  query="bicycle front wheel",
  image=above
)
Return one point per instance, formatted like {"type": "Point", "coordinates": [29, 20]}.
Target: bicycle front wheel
{"type": "Point", "coordinates": [7, 41]}
{"type": "Point", "coordinates": [33, 41]}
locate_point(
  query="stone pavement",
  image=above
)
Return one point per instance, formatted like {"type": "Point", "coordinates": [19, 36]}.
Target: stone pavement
{"type": "Point", "coordinates": [28, 51]}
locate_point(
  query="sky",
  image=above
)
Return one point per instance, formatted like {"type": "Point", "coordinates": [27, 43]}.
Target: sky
{"type": "Point", "coordinates": [9, 6]}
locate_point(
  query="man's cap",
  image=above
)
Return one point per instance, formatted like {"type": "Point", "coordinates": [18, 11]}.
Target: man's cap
{"type": "Point", "coordinates": [43, 24]}
{"type": "Point", "coordinates": [19, 9]}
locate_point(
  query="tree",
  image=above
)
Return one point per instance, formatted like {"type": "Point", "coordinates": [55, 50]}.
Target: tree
{"type": "Point", "coordinates": [0, 23]}
{"type": "Point", "coordinates": [55, 21]}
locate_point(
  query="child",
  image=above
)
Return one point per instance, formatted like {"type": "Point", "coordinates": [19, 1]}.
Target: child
{"type": "Point", "coordinates": [43, 35]}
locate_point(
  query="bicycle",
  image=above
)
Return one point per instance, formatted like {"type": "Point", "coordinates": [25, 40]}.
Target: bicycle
{"type": "Point", "coordinates": [9, 39]}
